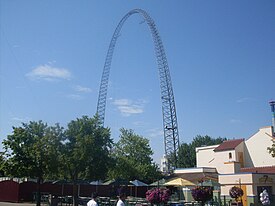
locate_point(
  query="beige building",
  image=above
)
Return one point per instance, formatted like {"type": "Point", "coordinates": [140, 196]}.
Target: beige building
{"type": "Point", "coordinates": [244, 163]}
{"type": "Point", "coordinates": [246, 153]}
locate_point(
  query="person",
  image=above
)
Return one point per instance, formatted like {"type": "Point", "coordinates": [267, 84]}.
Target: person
{"type": "Point", "coordinates": [93, 202]}
{"type": "Point", "coordinates": [121, 199]}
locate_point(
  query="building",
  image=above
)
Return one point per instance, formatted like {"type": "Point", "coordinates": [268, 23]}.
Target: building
{"type": "Point", "coordinates": [164, 165]}
{"type": "Point", "coordinates": [243, 163]}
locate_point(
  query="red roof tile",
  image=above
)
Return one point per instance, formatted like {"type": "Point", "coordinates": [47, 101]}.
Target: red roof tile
{"type": "Point", "coordinates": [228, 145]}
{"type": "Point", "coordinates": [268, 169]}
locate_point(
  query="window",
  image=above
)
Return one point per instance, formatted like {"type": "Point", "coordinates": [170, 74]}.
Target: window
{"type": "Point", "coordinates": [230, 155]}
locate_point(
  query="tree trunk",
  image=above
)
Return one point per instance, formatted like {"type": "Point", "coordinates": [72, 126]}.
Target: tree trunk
{"type": "Point", "coordinates": [75, 194]}
{"type": "Point", "coordinates": [38, 192]}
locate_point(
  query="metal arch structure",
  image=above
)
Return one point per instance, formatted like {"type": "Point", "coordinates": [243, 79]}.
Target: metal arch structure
{"type": "Point", "coordinates": [170, 125]}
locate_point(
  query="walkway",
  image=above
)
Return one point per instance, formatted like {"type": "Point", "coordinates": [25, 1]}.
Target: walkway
{"type": "Point", "coordinates": [16, 204]}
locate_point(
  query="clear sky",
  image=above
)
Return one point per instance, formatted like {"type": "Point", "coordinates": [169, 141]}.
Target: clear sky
{"type": "Point", "coordinates": [221, 56]}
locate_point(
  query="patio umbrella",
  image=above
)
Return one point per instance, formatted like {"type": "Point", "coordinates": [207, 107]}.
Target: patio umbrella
{"type": "Point", "coordinates": [62, 183]}
{"type": "Point", "coordinates": [138, 183]}
{"type": "Point", "coordinates": [179, 182]}
{"type": "Point", "coordinates": [158, 183]}
{"type": "Point", "coordinates": [117, 182]}
{"type": "Point", "coordinates": [79, 183]}
{"type": "Point", "coordinates": [96, 183]}
{"type": "Point", "coordinates": [211, 183]}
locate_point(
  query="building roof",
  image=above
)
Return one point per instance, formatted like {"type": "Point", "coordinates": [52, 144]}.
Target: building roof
{"type": "Point", "coordinates": [267, 169]}
{"type": "Point", "coordinates": [228, 145]}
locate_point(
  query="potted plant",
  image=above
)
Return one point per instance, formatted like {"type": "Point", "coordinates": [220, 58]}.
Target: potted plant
{"type": "Point", "coordinates": [236, 193]}
{"type": "Point", "coordinates": [158, 196]}
{"type": "Point", "coordinates": [202, 194]}
{"type": "Point", "coordinates": [264, 197]}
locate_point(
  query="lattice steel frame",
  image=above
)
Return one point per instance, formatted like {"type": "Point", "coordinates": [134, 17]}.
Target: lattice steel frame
{"type": "Point", "coordinates": [170, 126]}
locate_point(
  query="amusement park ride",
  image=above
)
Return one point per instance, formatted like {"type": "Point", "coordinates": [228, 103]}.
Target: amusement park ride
{"type": "Point", "coordinates": [170, 125]}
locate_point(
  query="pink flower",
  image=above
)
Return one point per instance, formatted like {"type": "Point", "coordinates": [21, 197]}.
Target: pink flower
{"type": "Point", "coordinates": [158, 195]}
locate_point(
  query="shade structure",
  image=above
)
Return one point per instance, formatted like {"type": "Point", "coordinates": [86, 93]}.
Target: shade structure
{"type": "Point", "coordinates": [158, 183]}
{"type": "Point", "coordinates": [97, 182]}
{"type": "Point", "coordinates": [79, 183]}
{"type": "Point", "coordinates": [138, 183]}
{"type": "Point", "coordinates": [211, 183]}
{"type": "Point", "coordinates": [62, 183]}
{"type": "Point", "coordinates": [179, 182]}
{"type": "Point", "coordinates": [117, 182]}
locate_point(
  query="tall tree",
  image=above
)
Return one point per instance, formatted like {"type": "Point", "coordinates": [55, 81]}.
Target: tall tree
{"type": "Point", "coordinates": [2, 162]}
{"type": "Point", "coordinates": [133, 158]}
{"type": "Point", "coordinates": [187, 152]}
{"type": "Point", "coordinates": [184, 156]}
{"type": "Point", "coordinates": [86, 151]}
{"type": "Point", "coordinates": [271, 149]}
{"type": "Point", "coordinates": [31, 151]}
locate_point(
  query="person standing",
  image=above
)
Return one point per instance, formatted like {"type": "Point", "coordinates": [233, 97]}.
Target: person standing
{"type": "Point", "coordinates": [93, 202]}
{"type": "Point", "coordinates": [121, 199]}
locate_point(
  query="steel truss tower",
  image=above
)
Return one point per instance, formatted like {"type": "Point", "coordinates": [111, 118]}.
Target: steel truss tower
{"type": "Point", "coordinates": [170, 125]}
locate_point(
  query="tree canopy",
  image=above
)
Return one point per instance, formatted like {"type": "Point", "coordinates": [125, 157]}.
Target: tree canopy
{"type": "Point", "coordinates": [187, 153]}
{"type": "Point", "coordinates": [31, 151]}
{"type": "Point", "coordinates": [86, 149]}
{"type": "Point", "coordinates": [133, 158]}
{"type": "Point", "coordinates": [271, 149]}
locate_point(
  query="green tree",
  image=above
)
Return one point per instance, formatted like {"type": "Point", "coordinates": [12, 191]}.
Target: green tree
{"type": "Point", "coordinates": [31, 151]}
{"type": "Point", "coordinates": [86, 151]}
{"type": "Point", "coordinates": [271, 149]}
{"type": "Point", "coordinates": [2, 162]}
{"type": "Point", "coordinates": [133, 158]}
{"type": "Point", "coordinates": [184, 156]}
{"type": "Point", "coordinates": [187, 152]}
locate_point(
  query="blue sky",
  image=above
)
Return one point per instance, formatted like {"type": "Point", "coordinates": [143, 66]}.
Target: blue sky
{"type": "Point", "coordinates": [220, 55]}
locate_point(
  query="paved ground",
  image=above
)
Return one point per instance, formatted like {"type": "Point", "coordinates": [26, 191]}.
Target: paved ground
{"type": "Point", "coordinates": [16, 204]}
